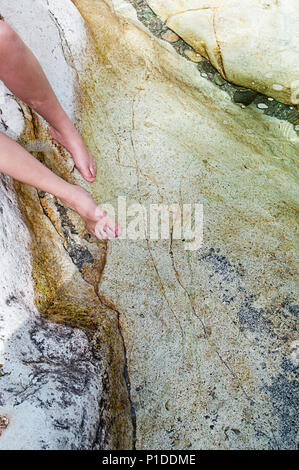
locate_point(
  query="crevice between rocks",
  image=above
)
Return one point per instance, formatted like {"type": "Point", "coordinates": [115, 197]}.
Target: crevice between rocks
{"type": "Point", "coordinates": [240, 95]}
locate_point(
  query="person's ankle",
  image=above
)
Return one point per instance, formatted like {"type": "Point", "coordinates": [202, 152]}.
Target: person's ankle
{"type": "Point", "coordinates": [72, 197]}
{"type": "Point", "coordinates": [67, 133]}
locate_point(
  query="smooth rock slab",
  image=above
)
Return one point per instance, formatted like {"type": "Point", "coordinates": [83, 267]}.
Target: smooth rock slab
{"type": "Point", "coordinates": [253, 43]}
{"type": "Point", "coordinates": [209, 333]}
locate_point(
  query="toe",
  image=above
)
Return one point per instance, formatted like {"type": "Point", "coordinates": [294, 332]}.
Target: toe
{"type": "Point", "coordinates": [87, 174]}
{"type": "Point", "coordinates": [110, 232]}
{"type": "Point", "coordinates": [99, 232]}
{"type": "Point", "coordinates": [93, 168]}
{"type": "Point", "coordinates": [90, 178]}
{"type": "Point", "coordinates": [90, 175]}
{"type": "Point", "coordinates": [110, 225]}
{"type": "Point", "coordinates": [105, 224]}
{"type": "Point", "coordinates": [99, 213]}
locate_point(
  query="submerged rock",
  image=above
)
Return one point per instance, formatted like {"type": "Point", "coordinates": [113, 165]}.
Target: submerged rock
{"type": "Point", "coordinates": [244, 96]}
{"type": "Point", "coordinates": [252, 43]}
{"type": "Point", "coordinates": [183, 349]}
{"type": "Point", "coordinates": [170, 36]}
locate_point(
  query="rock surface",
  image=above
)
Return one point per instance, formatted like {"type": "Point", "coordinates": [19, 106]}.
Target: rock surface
{"type": "Point", "coordinates": [183, 349]}
{"type": "Point", "coordinates": [51, 383]}
{"type": "Point", "coordinates": [253, 43]}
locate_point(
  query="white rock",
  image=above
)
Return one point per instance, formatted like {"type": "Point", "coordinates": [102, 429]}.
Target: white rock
{"type": "Point", "coordinates": [262, 106]}
{"type": "Point", "coordinates": [253, 43]}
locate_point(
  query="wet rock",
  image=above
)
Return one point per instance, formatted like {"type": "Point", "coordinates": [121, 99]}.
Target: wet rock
{"type": "Point", "coordinates": [170, 36]}
{"type": "Point", "coordinates": [192, 55]}
{"type": "Point", "coordinates": [244, 96]}
{"type": "Point", "coordinates": [219, 80]}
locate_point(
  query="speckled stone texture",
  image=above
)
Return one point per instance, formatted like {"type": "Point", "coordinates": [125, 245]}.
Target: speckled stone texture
{"type": "Point", "coordinates": [209, 333]}
{"type": "Point", "coordinates": [197, 349]}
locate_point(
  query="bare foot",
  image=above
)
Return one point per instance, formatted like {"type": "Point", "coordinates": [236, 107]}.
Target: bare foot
{"type": "Point", "coordinates": [97, 221]}
{"type": "Point", "coordinates": [73, 142]}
